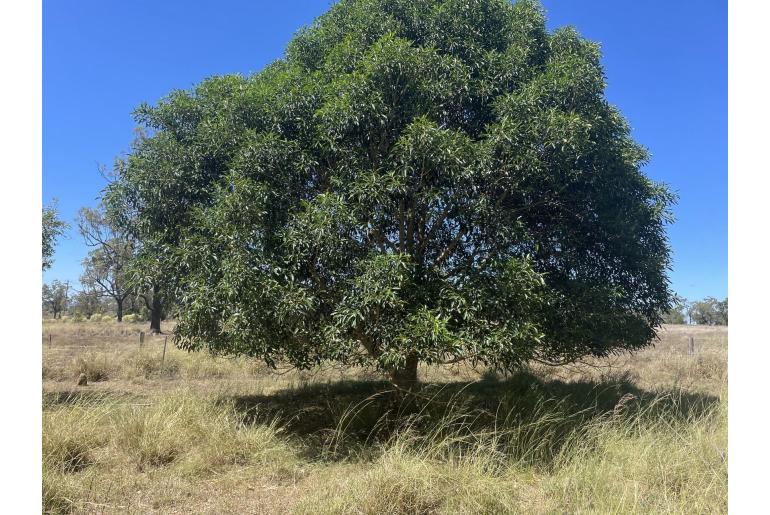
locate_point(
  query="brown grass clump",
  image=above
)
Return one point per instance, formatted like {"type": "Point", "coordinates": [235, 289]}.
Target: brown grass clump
{"type": "Point", "coordinates": [407, 483]}
{"type": "Point", "coordinates": [199, 434]}
{"type": "Point", "coordinates": [70, 436]}
{"type": "Point", "coordinates": [95, 367]}
{"type": "Point", "coordinates": [149, 364]}
{"type": "Point", "coordinates": [90, 439]}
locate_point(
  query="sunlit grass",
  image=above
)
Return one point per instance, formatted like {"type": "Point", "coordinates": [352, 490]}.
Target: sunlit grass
{"type": "Point", "coordinates": [197, 434]}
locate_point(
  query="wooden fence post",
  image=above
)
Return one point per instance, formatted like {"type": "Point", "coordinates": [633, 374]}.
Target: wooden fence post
{"type": "Point", "coordinates": [50, 338]}
{"type": "Point", "coordinates": [691, 346]}
{"type": "Point", "coordinates": [163, 358]}
{"type": "Point", "coordinates": [141, 338]}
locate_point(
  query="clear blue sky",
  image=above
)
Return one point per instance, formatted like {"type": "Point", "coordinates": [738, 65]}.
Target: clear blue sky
{"type": "Point", "coordinates": [665, 62]}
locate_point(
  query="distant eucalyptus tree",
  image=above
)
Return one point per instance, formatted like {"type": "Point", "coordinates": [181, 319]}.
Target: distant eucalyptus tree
{"type": "Point", "coordinates": [55, 297]}
{"type": "Point", "coordinates": [106, 266]}
{"type": "Point", "coordinates": [53, 228]}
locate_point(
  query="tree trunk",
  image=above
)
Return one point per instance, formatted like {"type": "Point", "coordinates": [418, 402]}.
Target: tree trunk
{"type": "Point", "coordinates": [119, 314]}
{"type": "Point", "coordinates": [155, 312]}
{"type": "Point", "coordinates": [405, 378]}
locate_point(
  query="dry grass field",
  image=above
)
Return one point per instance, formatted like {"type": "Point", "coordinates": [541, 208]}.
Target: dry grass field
{"type": "Point", "coordinates": [191, 433]}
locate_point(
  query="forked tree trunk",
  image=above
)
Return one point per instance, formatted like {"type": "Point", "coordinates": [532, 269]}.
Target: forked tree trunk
{"type": "Point", "coordinates": [405, 378]}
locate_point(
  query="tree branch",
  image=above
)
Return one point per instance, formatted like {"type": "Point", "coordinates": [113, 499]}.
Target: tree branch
{"type": "Point", "coordinates": [451, 247]}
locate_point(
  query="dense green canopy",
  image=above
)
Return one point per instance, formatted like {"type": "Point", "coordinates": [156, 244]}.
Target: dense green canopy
{"type": "Point", "coordinates": [414, 181]}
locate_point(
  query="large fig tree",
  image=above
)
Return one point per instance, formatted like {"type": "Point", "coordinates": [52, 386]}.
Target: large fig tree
{"type": "Point", "coordinates": [415, 181]}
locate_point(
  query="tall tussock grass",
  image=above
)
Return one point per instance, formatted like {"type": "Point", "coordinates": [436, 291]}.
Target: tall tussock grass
{"type": "Point", "coordinates": [644, 455]}
{"type": "Point", "coordinates": [194, 433]}
{"type": "Point", "coordinates": [200, 435]}
{"type": "Point", "coordinates": [186, 434]}
{"type": "Point", "coordinates": [447, 453]}
{"type": "Point", "coordinates": [95, 366]}
{"type": "Point", "coordinates": [70, 436]}
{"type": "Point", "coordinates": [149, 364]}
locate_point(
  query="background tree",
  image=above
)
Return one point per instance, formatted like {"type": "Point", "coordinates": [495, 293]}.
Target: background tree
{"type": "Point", "coordinates": [148, 272]}
{"type": "Point", "coordinates": [678, 312]}
{"type": "Point", "coordinates": [428, 181]}
{"type": "Point", "coordinates": [153, 301]}
{"type": "Point", "coordinates": [721, 309]}
{"type": "Point", "coordinates": [87, 302]}
{"type": "Point", "coordinates": [55, 297]}
{"type": "Point", "coordinates": [106, 266]}
{"type": "Point", "coordinates": [53, 228]}
{"type": "Point", "coordinates": [709, 311]}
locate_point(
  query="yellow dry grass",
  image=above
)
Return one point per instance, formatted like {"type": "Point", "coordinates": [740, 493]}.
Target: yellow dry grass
{"type": "Point", "coordinates": [190, 433]}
